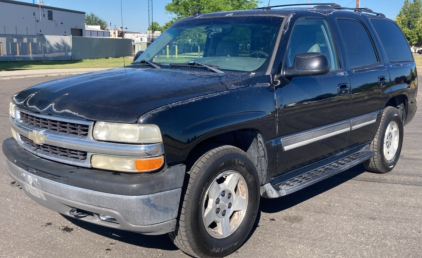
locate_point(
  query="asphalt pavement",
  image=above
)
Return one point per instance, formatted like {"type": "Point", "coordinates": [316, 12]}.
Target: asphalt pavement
{"type": "Point", "coordinates": [353, 214]}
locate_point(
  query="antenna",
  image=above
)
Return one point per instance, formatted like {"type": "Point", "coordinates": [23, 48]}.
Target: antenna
{"type": "Point", "coordinates": [269, 3]}
{"type": "Point", "coordinates": [123, 28]}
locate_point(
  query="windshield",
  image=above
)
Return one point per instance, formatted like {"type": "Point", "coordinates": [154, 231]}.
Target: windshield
{"type": "Point", "coordinates": [229, 43]}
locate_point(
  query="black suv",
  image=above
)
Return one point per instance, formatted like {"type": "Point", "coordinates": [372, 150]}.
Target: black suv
{"type": "Point", "coordinates": [221, 110]}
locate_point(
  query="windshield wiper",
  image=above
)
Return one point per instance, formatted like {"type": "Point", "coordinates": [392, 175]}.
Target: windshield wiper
{"type": "Point", "coordinates": [150, 63]}
{"type": "Point", "coordinates": [206, 66]}
{"type": "Point", "coordinates": [199, 64]}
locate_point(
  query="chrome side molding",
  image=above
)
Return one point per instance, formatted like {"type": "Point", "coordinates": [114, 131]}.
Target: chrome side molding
{"type": "Point", "coordinates": [297, 140]}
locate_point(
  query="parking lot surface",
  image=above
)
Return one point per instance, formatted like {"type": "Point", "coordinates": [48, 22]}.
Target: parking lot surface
{"type": "Point", "coordinates": [353, 214]}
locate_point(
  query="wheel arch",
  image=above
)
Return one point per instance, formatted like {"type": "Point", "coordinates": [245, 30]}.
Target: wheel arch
{"type": "Point", "coordinates": [250, 141]}
{"type": "Point", "coordinates": [400, 102]}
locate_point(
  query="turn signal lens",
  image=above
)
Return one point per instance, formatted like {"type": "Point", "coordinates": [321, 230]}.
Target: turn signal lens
{"type": "Point", "coordinates": [144, 165]}
{"type": "Point", "coordinates": [126, 164]}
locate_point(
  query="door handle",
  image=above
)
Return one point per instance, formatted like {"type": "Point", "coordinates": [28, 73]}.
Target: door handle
{"type": "Point", "coordinates": [343, 89]}
{"type": "Point", "coordinates": [382, 81]}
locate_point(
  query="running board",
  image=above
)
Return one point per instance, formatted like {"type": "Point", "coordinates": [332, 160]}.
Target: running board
{"type": "Point", "coordinates": [310, 177]}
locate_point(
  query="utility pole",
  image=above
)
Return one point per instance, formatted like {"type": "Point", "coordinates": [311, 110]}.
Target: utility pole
{"type": "Point", "coordinates": [150, 17]}
{"type": "Point", "coordinates": [357, 3]}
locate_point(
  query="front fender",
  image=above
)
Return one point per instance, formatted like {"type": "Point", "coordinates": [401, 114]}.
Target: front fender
{"type": "Point", "coordinates": [187, 123]}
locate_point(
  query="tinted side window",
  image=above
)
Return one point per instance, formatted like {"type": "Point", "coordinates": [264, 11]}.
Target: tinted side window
{"type": "Point", "coordinates": [358, 45]}
{"type": "Point", "coordinates": [312, 35]}
{"type": "Point", "coordinates": [393, 40]}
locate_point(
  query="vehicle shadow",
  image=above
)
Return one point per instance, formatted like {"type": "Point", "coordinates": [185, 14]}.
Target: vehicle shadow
{"type": "Point", "coordinates": [283, 203]}
{"type": "Point", "coordinates": [156, 242]}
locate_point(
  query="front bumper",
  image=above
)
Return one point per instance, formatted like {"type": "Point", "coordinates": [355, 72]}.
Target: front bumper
{"type": "Point", "coordinates": [149, 213]}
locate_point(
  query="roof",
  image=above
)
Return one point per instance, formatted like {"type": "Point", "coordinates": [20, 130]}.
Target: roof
{"type": "Point", "coordinates": [43, 6]}
{"type": "Point", "coordinates": [132, 32]}
{"type": "Point", "coordinates": [93, 27]}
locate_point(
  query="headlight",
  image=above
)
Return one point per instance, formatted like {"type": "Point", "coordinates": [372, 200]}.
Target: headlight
{"type": "Point", "coordinates": [12, 110]}
{"type": "Point", "coordinates": [128, 133]}
{"type": "Point", "coordinates": [126, 164]}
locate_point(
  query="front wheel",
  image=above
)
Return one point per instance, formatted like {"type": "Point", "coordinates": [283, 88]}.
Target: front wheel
{"type": "Point", "coordinates": [220, 204]}
{"type": "Point", "coordinates": [387, 142]}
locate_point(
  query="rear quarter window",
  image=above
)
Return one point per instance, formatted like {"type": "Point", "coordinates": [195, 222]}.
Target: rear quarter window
{"type": "Point", "coordinates": [392, 38]}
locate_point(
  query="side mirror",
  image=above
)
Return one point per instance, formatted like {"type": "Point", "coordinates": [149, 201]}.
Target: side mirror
{"type": "Point", "coordinates": [138, 54]}
{"type": "Point", "coordinates": [307, 64]}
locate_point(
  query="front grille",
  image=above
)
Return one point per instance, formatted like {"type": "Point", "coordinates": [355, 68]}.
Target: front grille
{"type": "Point", "coordinates": [54, 125]}
{"type": "Point", "coordinates": [62, 152]}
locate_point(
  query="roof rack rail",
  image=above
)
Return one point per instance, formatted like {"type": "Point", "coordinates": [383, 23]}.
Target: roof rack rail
{"type": "Point", "coordinates": [334, 5]}
{"type": "Point", "coordinates": [361, 10]}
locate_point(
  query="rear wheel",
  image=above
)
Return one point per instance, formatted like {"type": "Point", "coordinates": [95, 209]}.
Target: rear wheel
{"type": "Point", "coordinates": [220, 204]}
{"type": "Point", "coordinates": [387, 142]}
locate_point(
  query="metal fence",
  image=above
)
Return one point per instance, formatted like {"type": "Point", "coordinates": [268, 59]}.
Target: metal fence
{"type": "Point", "coordinates": [41, 47]}
{"type": "Point", "coordinates": [23, 47]}
{"type": "Point", "coordinates": [91, 48]}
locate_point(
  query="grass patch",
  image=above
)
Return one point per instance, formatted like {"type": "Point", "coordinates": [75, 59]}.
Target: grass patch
{"type": "Point", "coordinates": [88, 63]}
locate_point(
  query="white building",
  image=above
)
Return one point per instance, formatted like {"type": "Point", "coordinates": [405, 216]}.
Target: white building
{"type": "Point", "coordinates": [140, 41]}
{"type": "Point", "coordinates": [19, 18]}
{"type": "Point", "coordinates": [96, 31]}
{"type": "Point", "coordinates": [135, 36]}
{"type": "Point", "coordinates": [138, 37]}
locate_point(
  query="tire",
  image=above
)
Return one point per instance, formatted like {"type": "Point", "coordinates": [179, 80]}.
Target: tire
{"type": "Point", "coordinates": [220, 205]}
{"type": "Point", "coordinates": [387, 143]}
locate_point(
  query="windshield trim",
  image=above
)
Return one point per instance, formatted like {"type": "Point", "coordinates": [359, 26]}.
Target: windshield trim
{"type": "Point", "coordinates": [276, 46]}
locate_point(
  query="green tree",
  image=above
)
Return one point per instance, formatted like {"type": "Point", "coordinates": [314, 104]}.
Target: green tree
{"type": "Point", "coordinates": [184, 8]}
{"type": "Point", "coordinates": [92, 19]}
{"type": "Point", "coordinates": [410, 20]}
{"type": "Point", "coordinates": [169, 23]}
{"type": "Point", "coordinates": [154, 26]}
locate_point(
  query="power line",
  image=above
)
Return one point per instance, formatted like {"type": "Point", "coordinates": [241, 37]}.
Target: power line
{"type": "Point", "coordinates": [350, 3]}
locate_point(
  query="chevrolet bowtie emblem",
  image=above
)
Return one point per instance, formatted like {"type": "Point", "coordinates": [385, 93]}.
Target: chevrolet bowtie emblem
{"type": "Point", "coordinates": [37, 136]}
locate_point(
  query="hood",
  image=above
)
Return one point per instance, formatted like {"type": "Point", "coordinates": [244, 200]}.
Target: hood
{"type": "Point", "coordinates": [120, 95]}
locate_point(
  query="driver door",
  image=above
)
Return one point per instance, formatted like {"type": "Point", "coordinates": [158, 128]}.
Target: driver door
{"type": "Point", "coordinates": [313, 111]}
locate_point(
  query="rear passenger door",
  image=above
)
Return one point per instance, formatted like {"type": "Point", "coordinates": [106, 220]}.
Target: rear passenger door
{"type": "Point", "coordinates": [369, 78]}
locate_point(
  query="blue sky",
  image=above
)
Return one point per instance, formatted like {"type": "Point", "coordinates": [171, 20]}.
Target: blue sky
{"type": "Point", "coordinates": [135, 12]}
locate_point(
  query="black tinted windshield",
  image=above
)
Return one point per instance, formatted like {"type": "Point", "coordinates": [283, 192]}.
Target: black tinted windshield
{"type": "Point", "coordinates": [229, 43]}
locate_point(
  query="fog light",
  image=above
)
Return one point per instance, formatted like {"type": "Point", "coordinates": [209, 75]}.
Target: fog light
{"type": "Point", "coordinates": [15, 135]}
{"type": "Point", "coordinates": [126, 164]}
{"type": "Point", "coordinates": [107, 218]}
